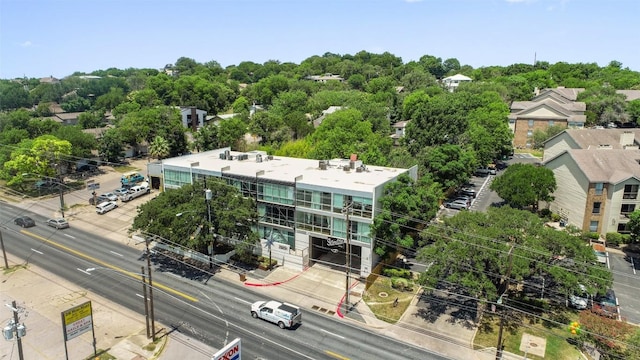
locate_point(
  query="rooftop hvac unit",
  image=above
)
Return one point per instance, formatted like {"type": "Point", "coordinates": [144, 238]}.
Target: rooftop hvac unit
{"type": "Point", "coordinates": [322, 165]}
{"type": "Point", "coordinates": [352, 164]}
{"type": "Point", "coordinates": [359, 169]}
{"type": "Point", "coordinates": [243, 157]}
{"type": "Point", "coordinates": [227, 155]}
{"type": "Point", "coordinates": [259, 158]}
{"type": "Point", "coordinates": [223, 156]}
{"type": "Point", "coordinates": [270, 157]}
{"type": "Point", "coordinates": [346, 168]}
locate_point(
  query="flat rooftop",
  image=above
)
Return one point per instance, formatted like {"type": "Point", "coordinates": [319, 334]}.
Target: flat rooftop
{"type": "Point", "coordinates": [362, 177]}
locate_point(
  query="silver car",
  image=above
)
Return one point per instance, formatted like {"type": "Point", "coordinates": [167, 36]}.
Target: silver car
{"type": "Point", "coordinates": [457, 205]}
{"type": "Point", "coordinates": [58, 223]}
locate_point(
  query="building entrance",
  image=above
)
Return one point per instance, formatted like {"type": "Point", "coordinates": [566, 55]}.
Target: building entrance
{"type": "Point", "coordinates": [332, 252]}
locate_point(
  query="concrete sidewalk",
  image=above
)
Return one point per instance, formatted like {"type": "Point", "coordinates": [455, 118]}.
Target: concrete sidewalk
{"type": "Point", "coordinates": [318, 289]}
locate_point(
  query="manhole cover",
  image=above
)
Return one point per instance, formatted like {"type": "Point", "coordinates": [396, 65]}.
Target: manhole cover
{"type": "Point", "coordinates": [383, 294]}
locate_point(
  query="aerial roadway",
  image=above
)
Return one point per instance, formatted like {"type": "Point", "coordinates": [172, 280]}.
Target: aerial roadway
{"type": "Point", "coordinates": [213, 312]}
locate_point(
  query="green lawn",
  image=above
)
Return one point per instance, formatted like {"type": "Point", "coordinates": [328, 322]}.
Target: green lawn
{"type": "Point", "coordinates": [557, 347]}
{"type": "Point", "coordinates": [380, 298]}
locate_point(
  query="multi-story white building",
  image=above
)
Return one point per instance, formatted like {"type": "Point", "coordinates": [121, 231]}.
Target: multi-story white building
{"type": "Point", "coordinates": [309, 208]}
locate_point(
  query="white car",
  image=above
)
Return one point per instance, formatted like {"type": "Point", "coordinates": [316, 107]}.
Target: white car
{"type": "Point", "coordinates": [105, 207]}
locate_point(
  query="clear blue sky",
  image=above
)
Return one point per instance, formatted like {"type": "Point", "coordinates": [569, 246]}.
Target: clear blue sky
{"type": "Point", "coordinates": [40, 38]}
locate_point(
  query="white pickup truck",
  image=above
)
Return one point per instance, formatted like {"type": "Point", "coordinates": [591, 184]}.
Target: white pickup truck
{"type": "Point", "coordinates": [136, 191]}
{"type": "Point", "coordinates": [283, 314]}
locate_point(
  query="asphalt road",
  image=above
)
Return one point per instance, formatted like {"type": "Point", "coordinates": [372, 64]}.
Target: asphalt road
{"type": "Point", "coordinates": [208, 309]}
{"type": "Point", "coordinates": [626, 281]}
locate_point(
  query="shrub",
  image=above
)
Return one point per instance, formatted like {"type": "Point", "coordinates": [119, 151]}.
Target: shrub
{"type": "Point", "coordinates": [555, 217]}
{"type": "Point", "coordinates": [545, 213]}
{"type": "Point", "coordinates": [401, 284]}
{"type": "Point", "coordinates": [591, 235]}
{"type": "Point", "coordinates": [613, 238]}
{"type": "Point", "coordinates": [401, 273]}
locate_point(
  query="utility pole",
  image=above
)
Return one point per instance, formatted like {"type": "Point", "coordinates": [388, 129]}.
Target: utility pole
{"type": "Point", "coordinates": [504, 289]}
{"type": "Point", "coordinates": [153, 325]}
{"type": "Point", "coordinates": [208, 196]}
{"type": "Point", "coordinates": [61, 189]}
{"type": "Point", "coordinates": [4, 253]}
{"type": "Point", "coordinates": [14, 326]}
{"type": "Point", "coordinates": [146, 305]}
{"type": "Point", "coordinates": [347, 253]}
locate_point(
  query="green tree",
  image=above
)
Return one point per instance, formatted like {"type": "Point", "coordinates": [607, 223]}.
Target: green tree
{"type": "Point", "coordinates": [633, 110]}
{"type": "Point", "coordinates": [159, 148]}
{"type": "Point", "coordinates": [110, 100]}
{"type": "Point", "coordinates": [43, 156]}
{"type": "Point", "coordinates": [473, 251]}
{"type": "Point", "coordinates": [14, 95]}
{"type": "Point", "coordinates": [206, 138]}
{"type": "Point", "coordinates": [524, 185]}
{"type": "Point", "coordinates": [231, 133]}
{"type": "Point", "coordinates": [81, 143]}
{"type": "Point", "coordinates": [90, 120]}
{"type": "Point", "coordinates": [405, 206]}
{"type": "Point", "coordinates": [111, 145]}
{"type": "Point", "coordinates": [634, 225]}
{"type": "Point", "coordinates": [450, 165]}
{"type": "Point", "coordinates": [231, 215]}
{"type": "Point", "coordinates": [540, 136]}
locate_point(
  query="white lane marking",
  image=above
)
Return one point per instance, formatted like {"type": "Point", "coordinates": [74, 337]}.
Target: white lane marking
{"type": "Point", "coordinates": [213, 302]}
{"type": "Point", "coordinates": [115, 253]}
{"type": "Point", "coordinates": [330, 333]}
{"type": "Point", "coordinates": [83, 271]}
{"type": "Point", "coordinates": [36, 251]}
{"type": "Point", "coordinates": [242, 300]}
{"type": "Point", "coordinates": [69, 236]}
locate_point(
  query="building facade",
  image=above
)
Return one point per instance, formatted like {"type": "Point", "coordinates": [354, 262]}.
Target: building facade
{"type": "Point", "coordinates": [597, 183]}
{"type": "Point", "coordinates": [309, 209]}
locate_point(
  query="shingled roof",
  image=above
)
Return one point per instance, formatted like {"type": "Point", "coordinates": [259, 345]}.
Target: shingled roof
{"type": "Point", "coordinates": [607, 165]}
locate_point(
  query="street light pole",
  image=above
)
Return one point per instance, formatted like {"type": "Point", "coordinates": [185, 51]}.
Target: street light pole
{"type": "Point", "coordinates": [60, 187]}
{"type": "Point", "coordinates": [208, 195]}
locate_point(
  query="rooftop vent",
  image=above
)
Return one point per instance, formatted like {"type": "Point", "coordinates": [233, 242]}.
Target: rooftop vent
{"type": "Point", "coordinates": [322, 165]}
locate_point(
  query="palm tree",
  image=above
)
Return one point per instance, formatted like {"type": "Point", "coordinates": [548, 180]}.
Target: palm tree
{"type": "Point", "coordinates": [159, 148]}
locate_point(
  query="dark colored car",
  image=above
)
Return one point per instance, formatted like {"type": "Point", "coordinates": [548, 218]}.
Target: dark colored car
{"type": "Point", "coordinates": [24, 221]}
{"type": "Point", "coordinates": [98, 199]}
{"type": "Point", "coordinates": [606, 305]}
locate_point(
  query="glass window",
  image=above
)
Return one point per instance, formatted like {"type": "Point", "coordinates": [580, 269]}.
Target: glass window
{"type": "Point", "coordinates": [530, 123]}
{"type": "Point", "coordinates": [630, 192]}
{"type": "Point", "coordinates": [627, 208]}
{"type": "Point", "coordinates": [175, 178]}
{"type": "Point", "coordinates": [551, 122]}
{"type": "Point", "coordinates": [313, 222]}
{"type": "Point", "coordinates": [623, 229]}
{"type": "Point", "coordinates": [599, 187]}
{"type": "Point", "coordinates": [281, 194]}
{"type": "Point", "coordinates": [359, 231]}
{"type": "Point", "coordinates": [275, 214]}
{"type": "Point", "coordinates": [596, 208]}
{"type": "Point", "coordinates": [529, 133]}
{"type": "Point", "coordinates": [313, 199]}
{"type": "Point", "coordinates": [593, 226]}
{"type": "Point", "coordinates": [360, 206]}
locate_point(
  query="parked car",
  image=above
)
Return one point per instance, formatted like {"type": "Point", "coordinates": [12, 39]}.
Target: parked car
{"type": "Point", "coordinates": [131, 178]}
{"type": "Point", "coordinates": [606, 304]}
{"type": "Point", "coordinates": [136, 191]}
{"type": "Point", "coordinates": [121, 191]}
{"type": "Point", "coordinates": [58, 223]}
{"type": "Point", "coordinates": [482, 172]}
{"type": "Point", "coordinates": [579, 299]}
{"type": "Point", "coordinates": [105, 207]}
{"type": "Point", "coordinates": [457, 204]}
{"type": "Point", "coordinates": [111, 196]}
{"type": "Point", "coordinates": [98, 199]}
{"type": "Point", "coordinates": [24, 221]}
{"type": "Point", "coordinates": [467, 192]}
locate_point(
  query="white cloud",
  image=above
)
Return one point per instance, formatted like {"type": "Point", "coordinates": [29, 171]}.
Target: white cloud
{"type": "Point", "coordinates": [26, 44]}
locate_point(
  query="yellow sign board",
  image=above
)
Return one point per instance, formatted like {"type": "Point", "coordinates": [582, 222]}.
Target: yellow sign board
{"type": "Point", "coordinates": [77, 320]}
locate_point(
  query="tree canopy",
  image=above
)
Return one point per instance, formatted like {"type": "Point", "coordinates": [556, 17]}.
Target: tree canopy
{"type": "Point", "coordinates": [525, 185]}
